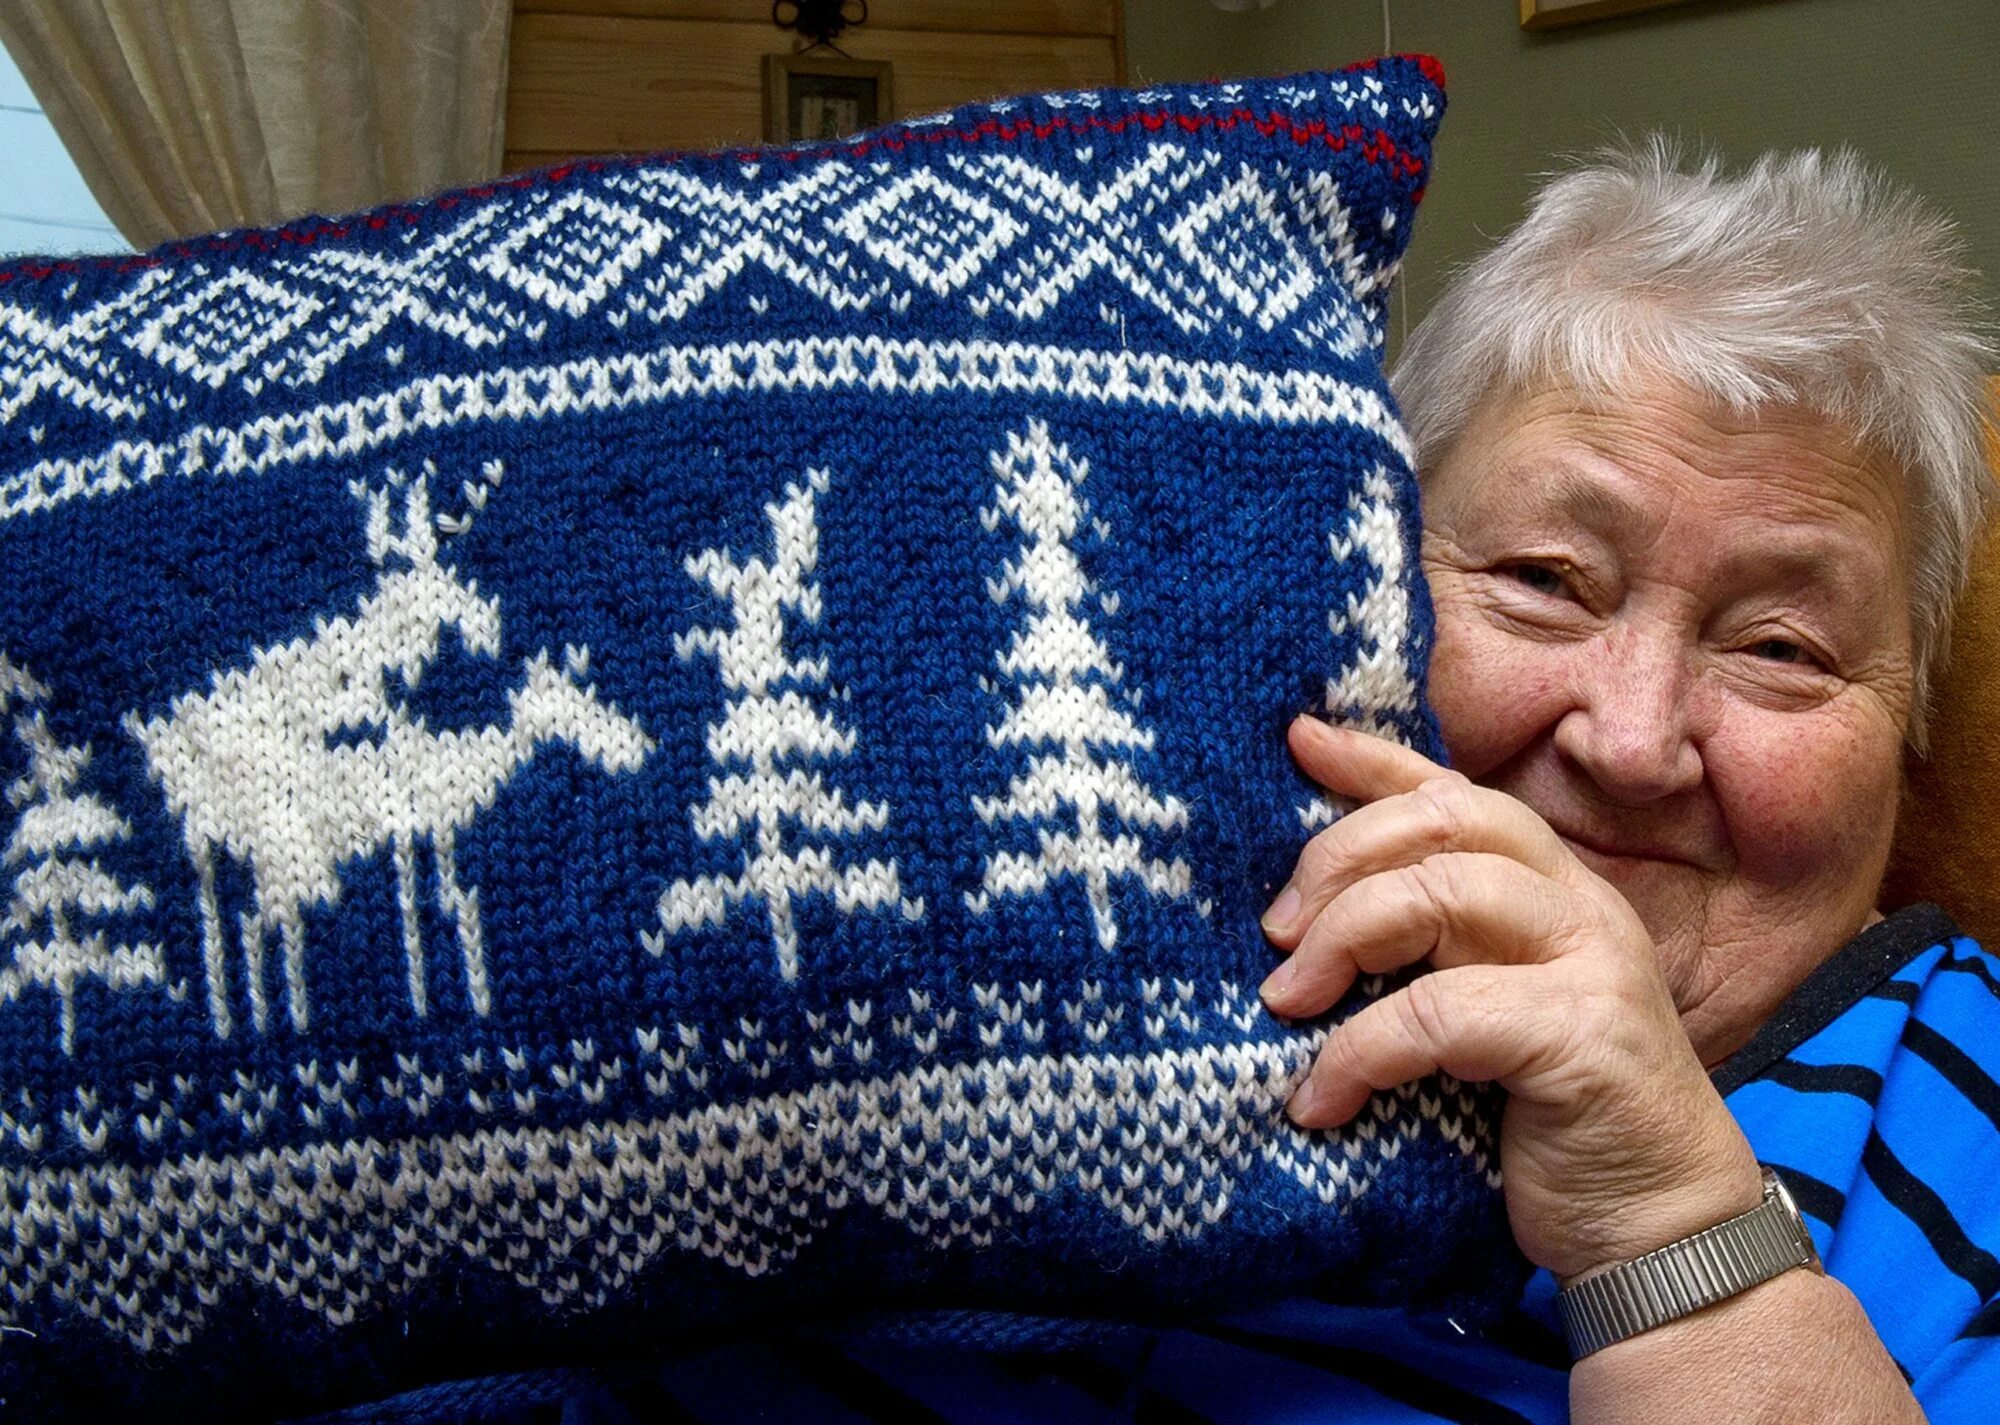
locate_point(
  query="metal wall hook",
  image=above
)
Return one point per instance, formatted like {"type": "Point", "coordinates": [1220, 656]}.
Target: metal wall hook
{"type": "Point", "coordinates": [819, 21]}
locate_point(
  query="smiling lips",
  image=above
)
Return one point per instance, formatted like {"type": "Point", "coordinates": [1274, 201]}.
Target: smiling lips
{"type": "Point", "coordinates": [1623, 848]}
{"type": "Point", "coordinates": [1683, 830]}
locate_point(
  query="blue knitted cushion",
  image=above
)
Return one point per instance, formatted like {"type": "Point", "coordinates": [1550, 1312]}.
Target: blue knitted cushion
{"type": "Point", "coordinates": [688, 736]}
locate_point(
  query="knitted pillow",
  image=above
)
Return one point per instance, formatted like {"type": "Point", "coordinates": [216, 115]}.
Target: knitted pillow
{"type": "Point", "coordinates": [674, 738]}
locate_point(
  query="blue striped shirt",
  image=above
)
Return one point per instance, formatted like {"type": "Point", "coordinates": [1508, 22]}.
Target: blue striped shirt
{"type": "Point", "coordinates": [1874, 1090]}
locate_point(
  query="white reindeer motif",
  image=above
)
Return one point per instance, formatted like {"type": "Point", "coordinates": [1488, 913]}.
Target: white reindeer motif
{"type": "Point", "coordinates": [251, 766]}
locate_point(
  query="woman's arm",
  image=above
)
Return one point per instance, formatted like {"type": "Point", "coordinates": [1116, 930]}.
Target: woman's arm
{"type": "Point", "coordinates": [1614, 1141]}
{"type": "Point", "coordinates": [1797, 1348]}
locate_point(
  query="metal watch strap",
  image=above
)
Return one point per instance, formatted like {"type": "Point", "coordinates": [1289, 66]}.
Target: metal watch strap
{"type": "Point", "coordinates": [1683, 1277]}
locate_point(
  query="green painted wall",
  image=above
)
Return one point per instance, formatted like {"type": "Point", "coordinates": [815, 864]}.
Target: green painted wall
{"type": "Point", "coordinates": [1913, 84]}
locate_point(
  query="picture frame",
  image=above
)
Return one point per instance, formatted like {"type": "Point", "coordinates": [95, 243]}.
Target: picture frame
{"type": "Point", "coordinates": [1556, 14]}
{"type": "Point", "coordinates": [824, 96]}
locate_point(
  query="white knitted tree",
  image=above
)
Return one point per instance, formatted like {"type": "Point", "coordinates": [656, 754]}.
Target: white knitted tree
{"type": "Point", "coordinates": [55, 882]}
{"type": "Point", "coordinates": [762, 726]}
{"type": "Point", "coordinates": [1377, 680]}
{"type": "Point", "coordinates": [1064, 677]}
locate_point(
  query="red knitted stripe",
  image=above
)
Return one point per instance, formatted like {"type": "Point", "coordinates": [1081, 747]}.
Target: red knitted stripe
{"type": "Point", "coordinates": [1432, 69]}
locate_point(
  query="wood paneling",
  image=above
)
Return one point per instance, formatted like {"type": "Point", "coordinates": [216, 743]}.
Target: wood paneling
{"type": "Point", "coordinates": [583, 84]}
{"type": "Point", "coordinates": [1036, 17]}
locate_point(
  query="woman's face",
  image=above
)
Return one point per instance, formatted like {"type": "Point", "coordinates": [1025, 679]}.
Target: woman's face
{"type": "Point", "coordinates": [1684, 638]}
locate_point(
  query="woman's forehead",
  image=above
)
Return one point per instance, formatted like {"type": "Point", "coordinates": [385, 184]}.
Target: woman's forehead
{"type": "Point", "coordinates": [1641, 460]}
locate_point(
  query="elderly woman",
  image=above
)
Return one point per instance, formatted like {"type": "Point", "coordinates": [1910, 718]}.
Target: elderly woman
{"type": "Point", "coordinates": [1702, 473]}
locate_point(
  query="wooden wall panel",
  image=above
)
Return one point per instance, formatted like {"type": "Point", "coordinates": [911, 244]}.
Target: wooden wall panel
{"type": "Point", "coordinates": [637, 75]}
{"type": "Point", "coordinates": [1039, 17]}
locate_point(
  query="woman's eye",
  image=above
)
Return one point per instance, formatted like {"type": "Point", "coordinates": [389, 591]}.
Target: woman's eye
{"type": "Point", "coordinates": [1539, 577]}
{"type": "Point", "coordinates": [1781, 650]}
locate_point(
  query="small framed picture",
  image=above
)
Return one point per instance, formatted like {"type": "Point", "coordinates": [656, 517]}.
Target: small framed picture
{"type": "Point", "coordinates": [810, 96]}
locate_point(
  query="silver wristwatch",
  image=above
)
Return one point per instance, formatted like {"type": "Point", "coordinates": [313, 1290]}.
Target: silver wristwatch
{"type": "Point", "coordinates": [1684, 1276]}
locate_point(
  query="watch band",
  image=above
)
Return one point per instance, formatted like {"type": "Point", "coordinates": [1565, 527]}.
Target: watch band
{"type": "Point", "coordinates": [1683, 1277]}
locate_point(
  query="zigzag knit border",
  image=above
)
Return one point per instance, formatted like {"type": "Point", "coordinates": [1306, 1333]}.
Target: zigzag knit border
{"type": "Point", "coordinates": [574, 1214]}
{"type": "Point", "coordinates": [1209, 389]}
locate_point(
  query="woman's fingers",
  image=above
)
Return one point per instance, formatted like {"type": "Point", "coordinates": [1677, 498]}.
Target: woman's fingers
{"type": "Point", "coordinates": [1406, 821]}
{"type": "Point", "coordinates": [1457, 908]}
{"type": "Point", "coordinates": [1480, 1023]}
{"type": "Point", "coordinates": [1357, 764]}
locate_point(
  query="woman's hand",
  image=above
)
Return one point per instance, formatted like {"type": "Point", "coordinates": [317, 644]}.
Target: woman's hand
{"type": "Point", "coordinates": [1613, 1141]}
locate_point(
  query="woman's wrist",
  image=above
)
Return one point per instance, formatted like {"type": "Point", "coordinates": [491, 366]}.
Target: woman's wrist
{"type": "Point", "coordinates": [1795, 1348]}
{"type": "Point", "coordinates": [1666, 1213]}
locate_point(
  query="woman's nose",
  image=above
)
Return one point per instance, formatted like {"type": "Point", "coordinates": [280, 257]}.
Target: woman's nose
{"type": "Point", "coordinates": [1630, 729]}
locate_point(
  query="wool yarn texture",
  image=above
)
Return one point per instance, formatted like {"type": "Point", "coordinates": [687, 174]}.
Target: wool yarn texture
{"type": "Point", "coordinates": [687, 739]}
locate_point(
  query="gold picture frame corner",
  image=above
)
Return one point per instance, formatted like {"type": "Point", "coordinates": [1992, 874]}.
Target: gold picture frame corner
{"type": "Point", "coordinates": [1542, 15]}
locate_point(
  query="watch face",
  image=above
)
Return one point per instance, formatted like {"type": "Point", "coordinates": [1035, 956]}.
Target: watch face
{"type": "Point", "coordinates": [1774, 1187]}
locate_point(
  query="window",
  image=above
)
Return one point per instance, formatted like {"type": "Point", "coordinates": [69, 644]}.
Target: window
{"type": "Point", "coordinates": [44, 205]}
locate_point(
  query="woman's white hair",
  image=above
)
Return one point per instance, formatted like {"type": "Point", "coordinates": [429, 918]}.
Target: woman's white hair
{"type": "Point", "coordinates": [1806, 279]}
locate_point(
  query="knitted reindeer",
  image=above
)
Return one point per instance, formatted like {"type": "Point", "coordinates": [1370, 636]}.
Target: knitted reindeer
{"type": "Point", "coordinates": [304, 761]}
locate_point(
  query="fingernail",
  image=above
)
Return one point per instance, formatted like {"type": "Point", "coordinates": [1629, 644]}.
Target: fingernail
{"type": "Point", "coordinates": [1301, 1103]}
{"type": "Point", "coordinates": [1279, 916]}
{"type": "Point", "coordinates": [1278, 982]}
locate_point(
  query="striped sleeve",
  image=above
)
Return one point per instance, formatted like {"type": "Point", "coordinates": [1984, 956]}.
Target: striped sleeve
{"type": "Point", "coordinates": [1886, 1124]}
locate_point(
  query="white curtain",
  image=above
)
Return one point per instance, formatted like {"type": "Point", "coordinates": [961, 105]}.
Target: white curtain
{"type": "Point", "coordinates": [186, 116]}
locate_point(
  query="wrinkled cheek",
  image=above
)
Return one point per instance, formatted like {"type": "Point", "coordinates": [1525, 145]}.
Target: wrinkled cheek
{"type": "Point", "coordinates": [1494, 693]}
{"type": "Point", "coordinates": [1819, 810]}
